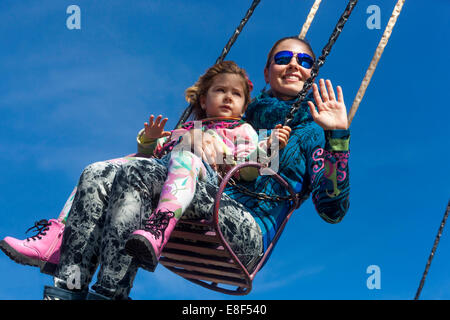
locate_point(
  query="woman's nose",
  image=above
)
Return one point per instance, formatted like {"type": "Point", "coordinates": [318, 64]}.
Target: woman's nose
{"type": "Point", "coordinates": [293, 63]}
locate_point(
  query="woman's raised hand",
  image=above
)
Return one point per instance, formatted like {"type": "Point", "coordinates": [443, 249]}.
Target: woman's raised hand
{"type": "Point", "coordinates": [155, 129]}
{"type": "Point", "coordinates": [332, 114]}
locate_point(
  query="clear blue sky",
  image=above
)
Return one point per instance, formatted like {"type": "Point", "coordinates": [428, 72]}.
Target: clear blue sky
{"type": "Point", "coordinates": [72, 97]}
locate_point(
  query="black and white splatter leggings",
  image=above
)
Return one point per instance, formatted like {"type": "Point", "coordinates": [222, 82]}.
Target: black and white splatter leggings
{"type": "Point", "coordinates": [111, 201]}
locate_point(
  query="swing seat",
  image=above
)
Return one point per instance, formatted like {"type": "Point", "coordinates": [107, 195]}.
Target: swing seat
{"type": "Point", "coordinates": [198, 251]}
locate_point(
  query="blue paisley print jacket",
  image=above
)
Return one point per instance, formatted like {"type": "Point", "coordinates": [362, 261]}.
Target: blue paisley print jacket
{"type": "Point", "coordinates": [314, 162]}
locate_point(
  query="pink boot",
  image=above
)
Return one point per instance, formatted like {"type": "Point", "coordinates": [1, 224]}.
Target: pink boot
{"type": "Point", "coordinates": [40, 250]}
{"type": "Point", "coordinates": [146, 245]}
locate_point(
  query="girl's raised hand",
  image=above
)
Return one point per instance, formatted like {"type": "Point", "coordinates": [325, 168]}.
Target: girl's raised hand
{"type": "Point", "coordinates": [281, 133]}
{"type": "Point", "coordinates": [332, 114]}
{"type": "Point", "coordinates": [155, 129]}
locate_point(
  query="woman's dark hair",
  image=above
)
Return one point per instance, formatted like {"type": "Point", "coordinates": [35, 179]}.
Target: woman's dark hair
{"type": "Point", "coordinates": [271, 52]}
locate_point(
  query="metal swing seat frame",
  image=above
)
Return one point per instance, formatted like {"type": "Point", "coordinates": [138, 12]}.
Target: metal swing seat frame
{"type": "Point", "coordinates": [204, 256]}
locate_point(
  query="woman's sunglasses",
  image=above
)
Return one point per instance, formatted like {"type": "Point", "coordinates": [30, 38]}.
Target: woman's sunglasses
{"type": "Point", "coordinates": [284, 57]}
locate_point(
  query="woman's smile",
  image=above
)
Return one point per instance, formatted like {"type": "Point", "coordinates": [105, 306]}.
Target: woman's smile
{"type": "Point", "coordinates": [287, 80]}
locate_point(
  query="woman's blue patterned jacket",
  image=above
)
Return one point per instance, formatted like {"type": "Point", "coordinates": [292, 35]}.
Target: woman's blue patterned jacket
{"type": "Point", "coordinates": [314, 161]}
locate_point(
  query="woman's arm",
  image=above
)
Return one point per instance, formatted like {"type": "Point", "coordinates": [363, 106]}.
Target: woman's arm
{"type": "Point", "coordinates": [329, 175]}
{"type": "Point", "coordinates": [328, 161]}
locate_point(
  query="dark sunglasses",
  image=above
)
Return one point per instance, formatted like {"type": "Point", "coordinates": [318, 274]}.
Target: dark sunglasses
{"type": "Point", "coordinates": [284, 57]}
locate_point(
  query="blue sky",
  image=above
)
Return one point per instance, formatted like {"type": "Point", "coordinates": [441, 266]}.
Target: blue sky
{"type": "Point", "coordinates": [72, 97]}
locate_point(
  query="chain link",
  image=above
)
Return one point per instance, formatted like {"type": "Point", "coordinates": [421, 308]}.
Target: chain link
{"type": "Point", "coordinates": [260, 195]}
{"type": "Point", "coordinates": [187, 112]}
{"type": "Point", "coordinates": [320, 61]}
{"type": "Point", "coordinates": [300, 97]}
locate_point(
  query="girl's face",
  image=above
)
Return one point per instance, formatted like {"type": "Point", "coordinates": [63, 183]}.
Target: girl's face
{"type": "Point", "coordinates": [287, 80]}
{"type": "Point", "coordinates": [225, 97]}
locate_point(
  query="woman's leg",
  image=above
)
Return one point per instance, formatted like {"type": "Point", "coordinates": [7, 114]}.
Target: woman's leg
{"type": "Point", "coordinates": [134, 196]}
{"type": "Point", "coordinates": [68, 205]}
{"type": "Point", "coordinates": [43, 249]}
{"type": "Point", "coordinates": [237, 224]}
{"type": "Point", "coordinates": [82, 235]}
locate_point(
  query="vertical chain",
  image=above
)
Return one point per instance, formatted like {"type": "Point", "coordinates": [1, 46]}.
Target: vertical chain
{"type": "Point", "coordinates": [187, 112]}
{"type": "Point", "coordinates": [320, 61]}
{"type": "Point", "coordinates": [433, 251]}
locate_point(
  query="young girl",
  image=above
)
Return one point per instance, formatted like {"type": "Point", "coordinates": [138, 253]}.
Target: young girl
{"type": "Point", "coordinates": [219, 99]}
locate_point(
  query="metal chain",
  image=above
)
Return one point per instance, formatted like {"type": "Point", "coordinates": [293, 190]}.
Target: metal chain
{"type": "Point", "coordinates": [301, 96]}
{"type": "Point", "coordinates": [187, 112]}
{"type": "Point", "coordinates": [319, 62]}
{"type": "Point", "coordinates": [433, 251]}
{"type": "Point", "coordinates": [238, 30]}
{"type": "Point", "coordinates": [260, 195]}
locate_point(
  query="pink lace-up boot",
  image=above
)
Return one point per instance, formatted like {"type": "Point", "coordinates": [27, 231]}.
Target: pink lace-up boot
{"type": "Point", "coordinates": [40, 250]}
{"type": "Point", "coordinates": [146, 245]}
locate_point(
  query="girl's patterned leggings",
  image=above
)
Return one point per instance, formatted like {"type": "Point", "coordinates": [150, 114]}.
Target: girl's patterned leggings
{"type": "Point", "coordinates": [111, 201]}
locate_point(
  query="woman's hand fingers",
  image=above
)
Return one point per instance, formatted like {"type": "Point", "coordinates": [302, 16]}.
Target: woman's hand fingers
{"type": "Point", "coordinates": [316, 95]}
{"type": "Point", "coordinates": [330, 90]}
{"type": "Point", "coordinates": [340, 94]}
{"type": "Point", "coordinates": [312, 109]}
{"type": "Point", "coordinates": [323, 90]}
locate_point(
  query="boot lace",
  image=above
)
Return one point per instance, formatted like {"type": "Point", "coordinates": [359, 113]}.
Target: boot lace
{"type": "Point", "coordinates": [39, 226]}
{"type": "Point", "coordinates": [158, 222]}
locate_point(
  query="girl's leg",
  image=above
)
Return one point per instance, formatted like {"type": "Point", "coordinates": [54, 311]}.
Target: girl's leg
{"type": "Point", "coordinates": [177, 192]}
{"type": "Point", "coordinates": [66, 209]}
{"type": "Point", "coordinates": [179, 188]}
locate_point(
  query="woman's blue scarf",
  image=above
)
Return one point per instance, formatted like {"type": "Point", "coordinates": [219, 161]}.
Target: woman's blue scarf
{"type": "Point", "coordinates": [266, 111]}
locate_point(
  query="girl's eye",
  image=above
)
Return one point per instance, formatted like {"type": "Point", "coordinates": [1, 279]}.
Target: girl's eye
{"type": "Point", "coordinates": [237, 93]}
{"type": "Point", "coordinates": [221, 89]}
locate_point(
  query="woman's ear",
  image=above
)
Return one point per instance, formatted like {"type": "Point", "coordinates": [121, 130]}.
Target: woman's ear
{"type": "Point", "coordinates": [266, 75]}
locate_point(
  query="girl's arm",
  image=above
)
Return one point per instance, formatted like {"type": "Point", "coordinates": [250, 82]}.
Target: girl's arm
{"type": "Point", "coordinates": [148, 146]}
{"type": "Point", "coordinates": [153, 136]}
